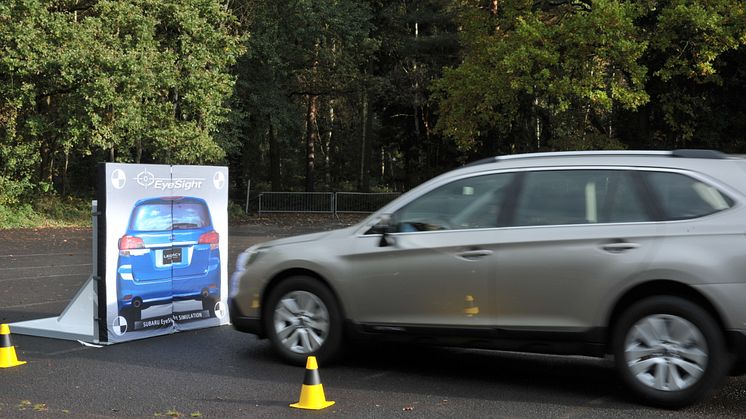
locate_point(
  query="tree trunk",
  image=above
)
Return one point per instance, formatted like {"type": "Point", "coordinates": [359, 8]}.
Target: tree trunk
{"type": "Point", "coordinates": [64, 173]}
{"type": "Point", "coordinates": [47, 143]}
{"type": "Point", "coordinates": [44, 153]}
{"type": "Point", "coordinates": [365, 147]}
{"type": "Point", "coordinates": [312, 136]}
{"type": "Point", "coordinates": [138, 152]}
{"type": "Point", "coordinates": [328, 146]}
{"type": "Point", "coordinates": [274, 158]}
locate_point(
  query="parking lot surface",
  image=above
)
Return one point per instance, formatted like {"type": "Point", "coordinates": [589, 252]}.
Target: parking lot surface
{"type": "Point", "coordinates": [219, 372]}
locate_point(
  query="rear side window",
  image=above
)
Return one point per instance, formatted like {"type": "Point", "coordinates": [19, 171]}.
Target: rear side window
{"type": "Point", "coordinates": [682, 197]}
{"type": "Point", "coordinates": [559, 197]}
{"type": "Point", "coordinates": [167, 216]}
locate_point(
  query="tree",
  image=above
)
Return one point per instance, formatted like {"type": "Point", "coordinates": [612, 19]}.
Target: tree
{"type": "Point", "coordinates": [304, 56]}
{"type": "Point", "coordinates": [693, 73]}
{"type": "Point", "coordinates": [418, 38]}
{"type": "Point", "coordinates": [578, 75]}
{"type": "Point", "coordinates": [142, 80]}
{"type": "Point", "coordinates": [542, 74]}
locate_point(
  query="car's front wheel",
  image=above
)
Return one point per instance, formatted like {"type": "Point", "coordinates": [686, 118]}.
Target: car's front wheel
{"type": "Point", "coordinates": [302, 318]}
{"type": "Point", "coordinates": [669, 351]}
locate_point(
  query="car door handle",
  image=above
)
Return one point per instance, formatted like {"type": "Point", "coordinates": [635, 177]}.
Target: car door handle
{"type": "Point", "coordinates": [619, 247]}
{"type": "Point", "coordinates": [474, 254]}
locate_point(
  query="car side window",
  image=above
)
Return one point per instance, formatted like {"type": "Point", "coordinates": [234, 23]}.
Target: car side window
{"type": "Point", "coordinates": [556, 197]}
{"type": "Point", "coordinates": [683, 197]}
{"type": "Point", "coordinates": [473, 202]}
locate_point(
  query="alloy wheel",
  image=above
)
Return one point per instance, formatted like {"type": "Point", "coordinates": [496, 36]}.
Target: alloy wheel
{"type": "Point", "coordinates": [666, 352]}
{"type": "Point", "coordinates": [301, 322]}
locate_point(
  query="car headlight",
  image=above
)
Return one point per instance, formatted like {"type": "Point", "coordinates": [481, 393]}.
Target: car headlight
{"type": "Point", "coordinates": [247, 257]}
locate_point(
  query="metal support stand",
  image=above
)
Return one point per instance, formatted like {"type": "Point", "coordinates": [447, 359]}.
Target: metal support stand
{"type": "Point", "coordinates": [78, 320]}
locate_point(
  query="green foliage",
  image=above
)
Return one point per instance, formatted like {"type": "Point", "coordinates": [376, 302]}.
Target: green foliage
{"type": "Point", "coordinates": [46, 211]}
{"type": "Point", "coordinates": [296, 50]}
{"type": "Point", "coordinates": [540, 74]}
{"type": "Point", "coordinates": [560, 70]}
{"type": "Point", "coordinates": [693, 45]}
{"type": "Point", "coordinates": [12, 190]}
{"type": "Point", "coordinates": [140, 80]}
{"type": "Point", "coordinates": [389, 93]}
{"type": "Point", "coordinates": [18, 216]}
{"type": "Point", "coordinates": [692, 35]}
{"type": "Point", "coordinates": [418, 39]}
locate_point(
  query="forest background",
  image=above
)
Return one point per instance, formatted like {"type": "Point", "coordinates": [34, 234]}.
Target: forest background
{"type": "Point", "coordinates": [351, 95]}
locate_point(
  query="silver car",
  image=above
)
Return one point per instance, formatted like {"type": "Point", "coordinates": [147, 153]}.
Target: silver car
{"type": "Point", "coordinates": [637, 255]}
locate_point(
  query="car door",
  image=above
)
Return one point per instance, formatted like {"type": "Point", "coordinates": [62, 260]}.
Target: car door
{"type": "Point", "coordinates": [574, 235]}
{"type": "Point", "coordinates": [434, 268]}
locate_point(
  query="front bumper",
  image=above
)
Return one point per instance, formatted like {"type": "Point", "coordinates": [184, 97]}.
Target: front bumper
{"type": "Point", "coordinates": [737, 342]}
{"type": "Point", "coordinates": [243, 323]}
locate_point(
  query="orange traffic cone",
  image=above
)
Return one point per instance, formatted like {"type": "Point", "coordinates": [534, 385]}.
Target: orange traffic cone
{"type": "Point", "coordinates": [312, 392]}
{"type": "Point", "coordinates": [7, 351]}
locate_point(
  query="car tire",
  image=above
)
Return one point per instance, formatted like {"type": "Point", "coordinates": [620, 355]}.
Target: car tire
{"type": "Point", "coordinates": [302, 318]}
{"type": "Point", "coordinates": [669, 351]}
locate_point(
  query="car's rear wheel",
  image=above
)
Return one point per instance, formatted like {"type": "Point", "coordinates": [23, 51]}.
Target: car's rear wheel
{"type": "Point", "coordinates": [669, 351]}
{"type": "Point", "coordinates": [302, 318]}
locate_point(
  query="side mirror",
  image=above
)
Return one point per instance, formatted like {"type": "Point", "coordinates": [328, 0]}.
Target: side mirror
{"type": "Point", "coordinates": [385, 227]}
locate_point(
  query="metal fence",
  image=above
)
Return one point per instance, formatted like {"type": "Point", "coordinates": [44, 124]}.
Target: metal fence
{"type": "Point", "coordinates": [323, 202]}
{"type": "Point", "coordinates": [358, 202]}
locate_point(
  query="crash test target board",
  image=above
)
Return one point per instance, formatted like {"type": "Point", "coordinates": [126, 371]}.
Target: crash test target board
{"type": "Point", "coordinates": [162, 249]}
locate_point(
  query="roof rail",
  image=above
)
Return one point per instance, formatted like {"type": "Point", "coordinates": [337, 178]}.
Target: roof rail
{"type": "Point", "coordinates": [481, 161]}
{"type": "Point", "coordinates": [698, 154]}
{"type": "Point", "coordinates": [586, 153]}
{"type": "Point", "coordinates": [682, 153]}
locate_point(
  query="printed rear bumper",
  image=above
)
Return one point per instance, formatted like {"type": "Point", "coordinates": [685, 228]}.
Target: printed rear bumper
{"type": "Point", "coordinates": [164, 291]}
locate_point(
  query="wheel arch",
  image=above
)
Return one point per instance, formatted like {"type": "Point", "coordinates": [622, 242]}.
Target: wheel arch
{"type": "Point", "coordinates": [662, 287]}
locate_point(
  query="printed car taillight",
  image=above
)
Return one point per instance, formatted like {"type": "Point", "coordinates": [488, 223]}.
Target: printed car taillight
{"type": "Point", "coordinates": [212, 238]}
{"type": "Point", "coordinates": [127, 243]}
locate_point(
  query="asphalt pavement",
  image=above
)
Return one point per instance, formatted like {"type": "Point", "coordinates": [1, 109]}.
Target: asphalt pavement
{"type": "Point", "coordinates": [219, 372]}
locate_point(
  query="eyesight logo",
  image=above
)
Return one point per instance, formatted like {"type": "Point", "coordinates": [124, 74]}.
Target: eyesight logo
{"type": "Point", "coordinates": [149, 180]}
{"type": "Point", "coordinates": [145, 178]}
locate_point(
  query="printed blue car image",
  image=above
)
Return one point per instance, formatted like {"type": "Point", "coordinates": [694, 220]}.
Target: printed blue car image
{"type": "Point", "coordinates": [169, 252]}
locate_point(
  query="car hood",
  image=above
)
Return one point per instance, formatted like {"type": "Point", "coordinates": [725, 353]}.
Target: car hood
{"type": "Point", "coordinates": [297, 239]}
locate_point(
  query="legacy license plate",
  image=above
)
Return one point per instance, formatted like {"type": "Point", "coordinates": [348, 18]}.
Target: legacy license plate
{"type": "Point", "coordinates": [172, 255]}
